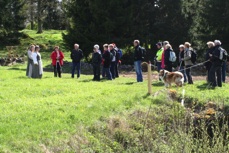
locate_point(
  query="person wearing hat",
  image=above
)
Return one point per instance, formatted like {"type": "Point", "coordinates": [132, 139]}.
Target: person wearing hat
{"type": "Point", "coordinates": [216, 68]}
{"type": "Point", "coordinates": [182, 65]}
{"type": "Point", "coordinates": [37, 63]}
{"type": "Point", "coordinates": [159, 55]}
{"type": "Point", "coordinates": [96, 62]}
{"type": "Point", "coordinates": [57, 57]}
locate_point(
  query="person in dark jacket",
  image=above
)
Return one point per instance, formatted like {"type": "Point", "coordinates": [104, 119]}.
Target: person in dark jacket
{"type": "Point", "coordinates": [107, 61]}
{"type": "Point", "coordinates": [117, 58]}
{"type": "Point", "coordinates": [216, 68]}
{"type": "Point", "coordinates": [113, 60]}
{"type": "Point", "coordinates": [138, 57]}
{"type": "Point", "coordinates": [181, 62]}
{"type": "Point", "coordinates": [168, 63]}
{"type": "Point", "coordinates": [96, 62]}
{"type": "Point", "coordinates": [211, 47]}
{"type": "Point", "coordinates": [76, 56]}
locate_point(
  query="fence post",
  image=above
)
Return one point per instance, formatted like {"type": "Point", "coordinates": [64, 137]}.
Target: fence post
{"type": "Point", "coordinates": [149, 79]}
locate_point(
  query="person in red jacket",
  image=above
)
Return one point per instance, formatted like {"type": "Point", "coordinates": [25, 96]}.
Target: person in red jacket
{"type": "Point", "coordinates": [57, 57]}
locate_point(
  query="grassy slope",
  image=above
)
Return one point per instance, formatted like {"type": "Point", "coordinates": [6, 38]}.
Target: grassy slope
{"type": "Point", "coordinates": [48, 111]}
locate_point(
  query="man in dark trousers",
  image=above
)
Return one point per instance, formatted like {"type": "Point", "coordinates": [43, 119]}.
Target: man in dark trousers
{"type": "Point", "coordinates": [107, 61]}
{"type": "Point", "coordinates": [216, 68]}
{"type": "Point", "coordinates": [138, 57]}
{"type": "Point", "coordinates": [76, 56]}
{"type": "Point", "coordinates": [118, 58]}
{"type": "Point", "coordinates": [96, 62]}
{"type": "Point", "coordinates": [113, 60]}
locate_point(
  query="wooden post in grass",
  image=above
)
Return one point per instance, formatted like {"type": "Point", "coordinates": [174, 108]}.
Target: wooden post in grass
{"type": "Point", "coordinates": [149, 79]}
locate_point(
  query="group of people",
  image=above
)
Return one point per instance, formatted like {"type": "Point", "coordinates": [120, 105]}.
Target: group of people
{"type": "Point", "coordinates": [109, 59]}
{"type": "Point", "coordinates": [34, 66]}
{"type": "Point", "coordinates": [111, 55]}
{"type": "Point", "coordinates": [215, 64]}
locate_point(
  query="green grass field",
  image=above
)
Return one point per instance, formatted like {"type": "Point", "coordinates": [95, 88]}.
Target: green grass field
{"type": "Point", "coordinates": [75, 115]}
{"type": "Point", "coordinates": [50, 110]}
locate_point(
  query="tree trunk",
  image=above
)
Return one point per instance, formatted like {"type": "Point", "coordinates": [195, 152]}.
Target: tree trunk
{"type": "Point", "coordinates": [39, 21]}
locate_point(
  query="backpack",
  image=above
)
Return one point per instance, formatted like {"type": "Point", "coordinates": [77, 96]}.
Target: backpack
{"type": "Point", "coordinates": [120, 53]}
{"type": "Point", "coordinates": [223, 55]}
{"type": "Point", "coordinates": [193, 56]}
{"type": "Point", "coordinates": [172, 57]}
{"type": "Point", "coordinates": [143, 50]}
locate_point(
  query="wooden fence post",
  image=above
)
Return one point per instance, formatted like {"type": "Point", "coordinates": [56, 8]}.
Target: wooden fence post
{"type": "Point", "coordinates": [149, 79]}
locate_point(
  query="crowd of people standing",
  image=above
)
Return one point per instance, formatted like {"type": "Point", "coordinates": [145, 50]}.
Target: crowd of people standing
{"type": "Point", "coordinates": [110, 58]}
{"type": "Point", "coordinates": [215, 61]}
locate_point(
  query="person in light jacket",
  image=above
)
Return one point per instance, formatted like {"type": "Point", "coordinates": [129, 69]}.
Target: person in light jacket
{"type": "Point", "coordinates": [37, 64]}
{"type": "Point", "coordinates": [187, 61]}
{"type": "Point", "coordinates": [30, 61]}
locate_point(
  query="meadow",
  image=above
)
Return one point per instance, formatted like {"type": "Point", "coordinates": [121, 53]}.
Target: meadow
{"type": "Point", "coordinates": [79, 115]}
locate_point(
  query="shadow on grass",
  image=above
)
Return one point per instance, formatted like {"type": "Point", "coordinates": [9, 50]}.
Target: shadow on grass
{"type": "Point", "coordinates": [203, 86]}
{"type": "Point", "coordinates": [146, 96]}
{"type": "Point", "coordinates": [158, 84]}
{"type": "Point", "coordinates": [130, 83]}
{"type": "Point", "coordinates": [16, 69]}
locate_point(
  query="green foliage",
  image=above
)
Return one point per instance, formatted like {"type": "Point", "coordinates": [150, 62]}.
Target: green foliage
{"type": "Point", "coordinates": [123, 21]}
{"type": "Point", "coordinates": [12, 19]}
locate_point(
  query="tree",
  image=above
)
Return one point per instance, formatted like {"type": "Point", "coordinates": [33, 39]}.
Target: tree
{"type": "Point", "coordinates": [55, 18]}
{"type": "Point", "coordinates": [122, 21]}
{"type": "Point", "coordinates": [12, 19]}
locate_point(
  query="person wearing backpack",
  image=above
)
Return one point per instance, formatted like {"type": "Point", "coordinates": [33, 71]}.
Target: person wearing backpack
{"type": "Point", "coordinates": [107, 61]}
{"type": "Point", "coordinates": [168, 63]}
{"type": "Point", "coordinates": [216, 68]}
{"type": "Point", "coordinates": [187, 61]}
{"type": "Point", "coordinates": [138, 57]}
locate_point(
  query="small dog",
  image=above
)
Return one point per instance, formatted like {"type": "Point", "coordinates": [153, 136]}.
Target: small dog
{"type": "Point", "coordinates": [171, 77]}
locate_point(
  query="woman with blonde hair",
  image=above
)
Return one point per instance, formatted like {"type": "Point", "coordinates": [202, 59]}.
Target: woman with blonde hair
{"type": "Point", "coordinates": [167, 63]}
{"type": "Point", "coordinates": [187, 61]}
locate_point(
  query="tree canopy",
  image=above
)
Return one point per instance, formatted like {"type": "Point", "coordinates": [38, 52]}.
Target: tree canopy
{"type": "Point", "coordinates": [90, 22]}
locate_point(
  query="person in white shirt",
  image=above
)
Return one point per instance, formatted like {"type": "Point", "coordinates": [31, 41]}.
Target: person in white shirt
{"type": "Point", "coordinates": [30, 61]}
{"type": "Point", "coordinates": [37, 64]}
